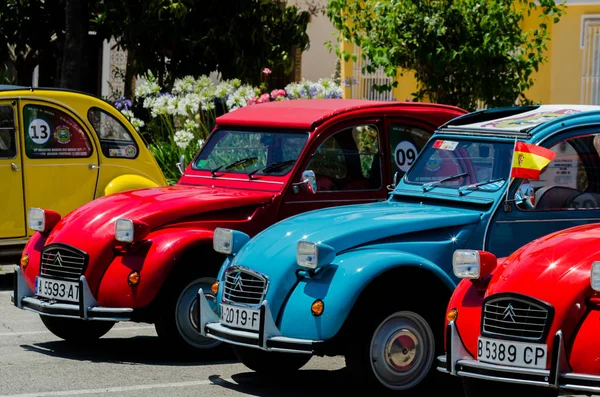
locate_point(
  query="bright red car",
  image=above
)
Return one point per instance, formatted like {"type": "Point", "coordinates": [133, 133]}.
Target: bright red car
{"type": "Point", "coordinates": [142, 255]}
{"type": "Point", "coordinates": [528, 324]}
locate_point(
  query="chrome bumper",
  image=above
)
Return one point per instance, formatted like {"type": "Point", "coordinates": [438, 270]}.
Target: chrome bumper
{"type": "Point", "coordinates": [87, 308]}
{"type": "Point", "coordinates": [459, 362]}
{"type": "Point", "coordinates": [267, 338]}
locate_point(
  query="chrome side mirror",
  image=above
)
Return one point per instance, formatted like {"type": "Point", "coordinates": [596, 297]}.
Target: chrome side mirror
{"type": "Point", "coordinates": [524, 196]}
{"type": "Point", "coordinates": [309, 182]}
{"type": "Point", "coordinates": [181, 164]}
{"type": "Point", "coordinates": [395, 181]}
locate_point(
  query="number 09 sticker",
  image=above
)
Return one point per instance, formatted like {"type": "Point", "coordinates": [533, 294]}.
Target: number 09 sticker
{"type": "Point", "coordinates": [404, 155]}
{"type": "Point", "coordinates": [39, 131]}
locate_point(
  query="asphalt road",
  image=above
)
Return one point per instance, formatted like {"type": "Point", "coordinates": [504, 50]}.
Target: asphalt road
{"type": "Point", "coordinates": [129, 361]}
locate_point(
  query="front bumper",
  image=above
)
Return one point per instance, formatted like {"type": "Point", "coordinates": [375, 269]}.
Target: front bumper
{"type": "Point", "coordinates": [459, 362]}
{"type": "Point", "coordinates": [268, 337]}
{"type": "Point", "coordinates": [87, 308]}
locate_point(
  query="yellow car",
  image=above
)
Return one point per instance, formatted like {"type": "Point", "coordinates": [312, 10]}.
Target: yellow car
{"type": "Point", "coordinates": [60, 149]}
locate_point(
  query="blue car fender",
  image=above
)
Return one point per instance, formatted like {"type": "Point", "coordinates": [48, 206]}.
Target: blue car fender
{"type": "Point", "coordinates": [339, 285]}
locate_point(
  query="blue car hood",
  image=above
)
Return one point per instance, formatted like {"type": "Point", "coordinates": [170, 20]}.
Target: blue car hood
{"type": "Point", "coordinates": [273, 251]}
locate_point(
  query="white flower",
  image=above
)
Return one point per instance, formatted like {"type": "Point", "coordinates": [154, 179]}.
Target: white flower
{"type": "Point", "coordinates": [190, 125]}
{"type": "Point", "coordinates": [145, 88]}
{"type": "Point", "coordinates": [183, 138]}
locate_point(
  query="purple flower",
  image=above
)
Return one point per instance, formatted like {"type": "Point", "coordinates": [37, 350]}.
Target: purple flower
{"type": "Point", "coordinates": [123, 103]}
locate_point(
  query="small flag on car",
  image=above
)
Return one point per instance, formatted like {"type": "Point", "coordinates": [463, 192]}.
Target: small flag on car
{"type": "Point", "coordinates": [529, 160]}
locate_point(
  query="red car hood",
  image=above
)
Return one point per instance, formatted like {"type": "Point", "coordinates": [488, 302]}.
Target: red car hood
{"type": "Point", "coordinates": [554, 269]}
{"type": "Point", "coordinates": [155, 206]}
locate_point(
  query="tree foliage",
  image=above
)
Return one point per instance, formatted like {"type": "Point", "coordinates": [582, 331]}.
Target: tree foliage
{"type": "Point", "coordinates": [461, 51]}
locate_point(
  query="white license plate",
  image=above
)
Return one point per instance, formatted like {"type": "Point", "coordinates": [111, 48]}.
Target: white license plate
{"type": "Point", "coordinates": [240, 317]}
{"type": "Point", "coordinates": [518, 354]}
{"type": "Point", "coordinates": [57, 289]}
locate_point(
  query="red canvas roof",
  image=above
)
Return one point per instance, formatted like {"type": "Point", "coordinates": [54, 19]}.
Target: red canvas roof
{"type": "Point", "coordinates": [304, 113]}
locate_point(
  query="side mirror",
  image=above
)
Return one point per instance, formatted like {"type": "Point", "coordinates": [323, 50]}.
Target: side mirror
{"type": "Point", "coordinates": [181, 164]}
{"type": "Point", "coordinates": [395, 181]}
{"type": "Point", "coordinates": [524, 197]}
{"type": "Point", "coordinates": [309, 182]}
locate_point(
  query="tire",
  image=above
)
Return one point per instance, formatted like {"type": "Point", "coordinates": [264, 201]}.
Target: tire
{"type": "Point", "coordinates": [265, 362]}
{"type": "Point", "coordinates": [75, 330]}
{"type": "Point", "coordinates": [177, 318]}
{"type": "Point", "coordinates": [396, 351]}
{"type": "Point", "coordinates": [478, 387]}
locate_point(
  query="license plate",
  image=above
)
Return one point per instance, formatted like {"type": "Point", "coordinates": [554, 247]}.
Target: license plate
{"type": "Point", "coordinates": [57, 289]}
{"type": "Point", "coordinates": [240, 317]}
{"type": "Point", "coordinates": [518, 354]}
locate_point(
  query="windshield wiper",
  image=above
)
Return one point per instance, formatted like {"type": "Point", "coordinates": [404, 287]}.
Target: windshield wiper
{"type": "Point", "coordinates": [429, 185]}
{"type": "Point", "coordinates": [478, 184]}
{"type": "Point", "coordinates": [231, 165]}
{"type": "Point", "coordinates": [271, 168]}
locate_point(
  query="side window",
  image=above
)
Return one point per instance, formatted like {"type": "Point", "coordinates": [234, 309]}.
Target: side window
{"type": "Point", "coordinates": [8, 145]}
{"type": "Point", "coordinates": [52, 133]}
{"type": "Point", "coordinates": [570, 181]}
{"type": "Point", "coordinates": [405, 143]}
{"type": "Point", "coordinates": [348, 160]}
{"type": "Point", "coordinates": [115, 140]}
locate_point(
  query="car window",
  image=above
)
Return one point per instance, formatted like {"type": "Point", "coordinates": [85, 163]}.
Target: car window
{"type": "Point", "coordinates": [405, 143]}
{"type": "Point", "coordinates": [50, 132]}
{"type": "Point", "coordinates": [348, 160]}
{"type": "Point", "coordinates": [571, 179]}
{"type": "Point", "coordinates": [8, 145]}
{"type": "Point", "coordinates": [115, 140]}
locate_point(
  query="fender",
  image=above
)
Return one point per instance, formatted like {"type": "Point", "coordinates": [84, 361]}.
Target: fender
{"type": "Point", "coordinates": [339, 285]}
{"type": "Point", "coordinates": [33, 248]}
{"type": "Point", "coordinates": [585, 350]}
{"type": "Point", "coordinates": [128, 182]}
{"type": "Point", "coordinates": [153, 259]}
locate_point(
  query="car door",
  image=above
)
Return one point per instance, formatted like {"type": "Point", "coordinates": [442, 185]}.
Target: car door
{"type": "Point", "coordinates": [567, 194]}
{"type": "Point", "coordinates": [60, 161]}
{"type": "Point", "coordinates": [12, 209]}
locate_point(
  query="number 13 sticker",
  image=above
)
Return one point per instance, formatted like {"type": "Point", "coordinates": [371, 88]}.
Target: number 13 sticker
{"type": "Point", "coordinates": [39, 131]}
{"type": "Point", "coordinates": [405, 154]}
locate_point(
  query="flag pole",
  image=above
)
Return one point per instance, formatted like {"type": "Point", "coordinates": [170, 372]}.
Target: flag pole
{"type": "Point", "coordinates": [510, 178]}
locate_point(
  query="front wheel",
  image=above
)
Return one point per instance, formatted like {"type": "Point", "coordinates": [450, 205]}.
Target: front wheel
{"type": "Point", "coordinates": [178, 319]}
{"type": "Point", "coordinates": [270, 362]}
{"type": "Point", "coordinates": [480, 388]}
{"type": "Point", "coordinates": [394, 352]}
{"type": "Point", "coordinates": [75, 330]}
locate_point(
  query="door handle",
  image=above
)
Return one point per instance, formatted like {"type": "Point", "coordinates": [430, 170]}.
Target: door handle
{"type": "Point", "coordinates": [94, 167]}
{"type": "Point", "coordinates": [14, 167]}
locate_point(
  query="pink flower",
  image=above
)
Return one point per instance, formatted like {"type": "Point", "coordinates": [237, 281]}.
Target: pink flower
{"type": "Point", "coordinates": [277, 93]}
{"type": "Point", "coordinates": [267, 71]}
{"type": "Point", "coordinates": [251, 101]}
{"type": "Point", "coordinates": [264, 98]}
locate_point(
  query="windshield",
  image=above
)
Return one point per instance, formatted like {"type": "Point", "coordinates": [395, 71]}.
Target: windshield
{"type": "Point", "coordinates": [478, 165]}
{"type": "Point", "coordinates": [251, 152]}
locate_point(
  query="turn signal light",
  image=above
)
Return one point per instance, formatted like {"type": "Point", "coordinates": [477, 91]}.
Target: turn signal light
{"type": "Point", "coordinates": [215, 287]}
{"type": "Point", "coordinates": [24, 261]}
{"type": "Point", "coordinates": [317, 307]}
{"type": "Point", "coordinates": [452, 315]}
{"type": "Point", "coordinates": [133, 278]}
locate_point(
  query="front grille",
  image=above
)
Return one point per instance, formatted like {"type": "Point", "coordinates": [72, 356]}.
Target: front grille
{"type": "Point", "coordinates": [514, 316]}
{"type": "Point", "coordinates": [244, 286]}
{"type": "Point", "coordinates": [62, 262]}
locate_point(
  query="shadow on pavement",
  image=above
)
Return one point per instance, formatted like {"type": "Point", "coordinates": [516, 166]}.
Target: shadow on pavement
{"type": "Point", "coordinates": [303, 383]}
{"type": "Point", "coordinates": [136, 350]}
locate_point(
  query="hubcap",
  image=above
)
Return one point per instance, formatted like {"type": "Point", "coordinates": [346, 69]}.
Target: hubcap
{"type": "Point", "coordinates": [186, 314]}
{"type": "Point", "coordinates": [402, 350]}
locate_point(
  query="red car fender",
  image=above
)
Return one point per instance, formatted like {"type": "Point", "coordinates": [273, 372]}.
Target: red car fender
{"type": "Point", "coordinates": [584, 353]}
{"type": "Point", "coordinates": [467, 299]}
{"type": "Point", "coordinates": [153, 259]}
{"type": "Point", "coordinates": [33, 249]}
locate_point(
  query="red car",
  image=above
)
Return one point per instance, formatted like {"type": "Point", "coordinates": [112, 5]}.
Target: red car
{"type": "Point", "coordinates": [142, 255]}
{"type": "Point", "coordinates": [528, 324]}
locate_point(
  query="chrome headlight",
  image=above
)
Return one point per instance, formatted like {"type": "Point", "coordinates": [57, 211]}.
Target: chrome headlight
{"type": "Point", "coordinates": [595, 276]}
{"type": "Point", "coordinates": [307, 254]}
{"type": "Point", "coordinates": [466, 263]}
{"type": "Point", "coordinates": [124, 230]}
{"type": "Point", "coordinates": [223, 241]}
{"type": "Point", "coordinates": [36, 219]}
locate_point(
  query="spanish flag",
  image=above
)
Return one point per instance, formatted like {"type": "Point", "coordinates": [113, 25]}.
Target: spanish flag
{"type": "Point", "coordinates": [529, 160]}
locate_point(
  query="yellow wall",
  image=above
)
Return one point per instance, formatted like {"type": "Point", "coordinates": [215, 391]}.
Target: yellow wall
{"type": "Point", "coordinates": [557, 81]}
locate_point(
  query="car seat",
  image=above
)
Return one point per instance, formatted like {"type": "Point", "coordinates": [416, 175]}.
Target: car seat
{"type": "Point", "coordinates": [554, 197]}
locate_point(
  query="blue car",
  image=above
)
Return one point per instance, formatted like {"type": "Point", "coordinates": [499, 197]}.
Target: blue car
{"type": "Point", "coordinates": [371, 281]}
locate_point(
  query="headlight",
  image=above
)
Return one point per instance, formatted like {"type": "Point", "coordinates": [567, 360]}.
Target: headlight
{"type": "Point", "coordinates": [307, 254]}
{"type": "Point", "coordinates": [36, 219]}
{"type": "Point", "coordinates": [466, 263]}
{"type": "Point", "coordinates": [223, 241]}
{"type": "Point", "coordinates": [124, 230]}
{"type": "Point", "coordinates": [595, 276]}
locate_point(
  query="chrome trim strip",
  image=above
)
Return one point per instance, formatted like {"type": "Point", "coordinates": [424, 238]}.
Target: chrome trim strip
{"type": "Point", "coordinates": [233, 179]}
{"type": "Point", "coordinates": [507, 380]}
{"type": "Point", "coordinates": [13, 242]}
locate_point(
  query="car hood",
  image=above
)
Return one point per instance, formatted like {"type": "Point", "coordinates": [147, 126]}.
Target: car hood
{"type": "Point", "coordinates": [273, 251]}
{"type": "Point", "coordinates": [155, 206]}
{"type": "Point", "coordinates": [554, 269]}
